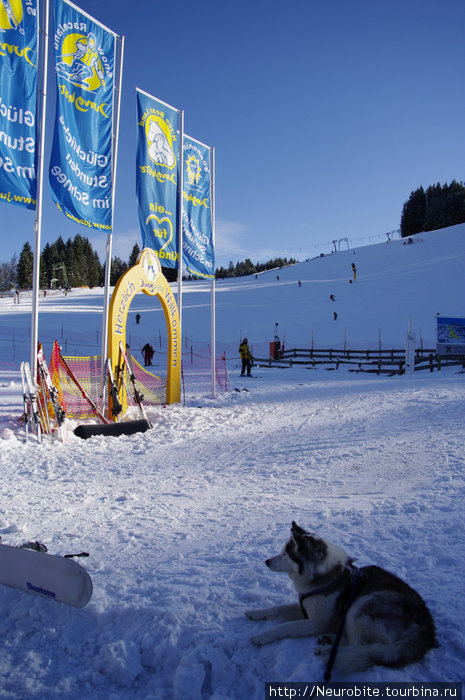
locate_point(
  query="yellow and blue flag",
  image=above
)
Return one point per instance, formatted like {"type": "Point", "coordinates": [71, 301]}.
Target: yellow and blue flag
{"type": "Point", "coordinates": [197, 222]}
{"type": "Point", "coordinates": [157, 176]}
{"type": "Point", "coordinates": [80, 173]}
{"type": "Point", "coordinates": [18, 101]}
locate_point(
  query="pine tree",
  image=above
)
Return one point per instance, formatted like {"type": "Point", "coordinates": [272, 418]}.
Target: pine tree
{"type": "Point", "coordinates": [134, 255]}
{"type": "Point", "coordinates": [72, 254]}
{"type": "Point", "coordinates": [91, 263]}
{"type": "Point", "coordinates": [25, 267]}
{"type": "Point", "coordinates": [118, 267]}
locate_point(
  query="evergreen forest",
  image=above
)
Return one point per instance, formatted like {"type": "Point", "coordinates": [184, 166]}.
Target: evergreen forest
{"type": "Point", "coordinates": [436, 207]}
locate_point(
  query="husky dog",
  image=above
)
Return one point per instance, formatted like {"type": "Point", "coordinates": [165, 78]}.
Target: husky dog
{"type": "Point", "coordinates": [376, 616]}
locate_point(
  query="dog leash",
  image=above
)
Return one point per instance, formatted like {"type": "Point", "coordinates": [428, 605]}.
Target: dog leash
{"type": "Point", "coordinates": [356, 576]}
{"type": "Point", "coordinates": [327, 588]}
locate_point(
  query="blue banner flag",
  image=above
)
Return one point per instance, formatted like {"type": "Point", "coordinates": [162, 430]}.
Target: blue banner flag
{"type": "Point", "coordinates": [80, 173]}
{"type": "Point", "coordinates": [197, 224]}
{"type": "Point", "coordinates": [157, 176]}
{"type": "Point", "coordinates": [18, 101]}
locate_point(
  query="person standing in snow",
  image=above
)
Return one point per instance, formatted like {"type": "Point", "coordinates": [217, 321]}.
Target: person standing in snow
{"type": "Point", "coordinates": [148, 352]}
{"type": "Point", "coordinates": [246, 357]}
{"type": "Point", "coordinates": [354, 270]}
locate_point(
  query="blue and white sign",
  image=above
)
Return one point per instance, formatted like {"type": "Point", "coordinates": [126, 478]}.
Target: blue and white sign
{"type": "Point", "coordinates": [157, 177]}
{"type": "Point", "coordinates": [18, 101]}
{"type": "Point", "coordinates": [197, 223]}
{"type": "Point", "coordinates": [450, 336]}
{"type": "Point", "coordinates": [80, 173]}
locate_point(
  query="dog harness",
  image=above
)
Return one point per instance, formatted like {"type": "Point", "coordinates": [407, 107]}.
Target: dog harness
{"type": "Point", "coordinates": [356, 576]}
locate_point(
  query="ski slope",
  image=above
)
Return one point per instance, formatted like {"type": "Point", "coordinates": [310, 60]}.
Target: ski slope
{"type": "Point", "coordinates": [178, 521]}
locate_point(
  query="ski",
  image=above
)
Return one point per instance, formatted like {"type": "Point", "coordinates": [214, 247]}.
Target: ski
{"type": "Point", "coordinates": [26, 401]}
{"type": "Point", "coordinates": [31, 409]}
{"type": "Point", "coordinates": [137, 395]}
{"type": "Point", "coordinates": [31, 569]}
{"type": "Point", "coordinates": [49, 389]}
{"type": "Point", "coordinates": [116, 407]}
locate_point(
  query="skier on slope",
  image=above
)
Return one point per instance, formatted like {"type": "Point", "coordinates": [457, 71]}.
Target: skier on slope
{"type": "Point", "coordinates": [148, 352]}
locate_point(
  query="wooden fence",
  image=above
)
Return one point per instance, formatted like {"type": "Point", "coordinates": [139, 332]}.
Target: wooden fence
{"type": "Point", "coordinates": [377, 361]}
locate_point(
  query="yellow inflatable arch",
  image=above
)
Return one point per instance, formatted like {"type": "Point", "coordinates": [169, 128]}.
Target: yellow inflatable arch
{"type": "Point", "coordinates": [146, 277]}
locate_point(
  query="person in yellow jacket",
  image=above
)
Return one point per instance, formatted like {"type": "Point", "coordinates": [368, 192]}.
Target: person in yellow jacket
{"type": "Point", "coordinates": [246, 357]}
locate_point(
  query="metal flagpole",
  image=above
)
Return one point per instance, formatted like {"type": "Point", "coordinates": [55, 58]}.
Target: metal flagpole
{"type": "Point", "coordinates": [106, 296]}
{"type": "Point", "coordinates": [213, 305]}
{"type": "Point", "coordinates": [41, 89]}
{"type": "Point", "coordinates": [180, 210]}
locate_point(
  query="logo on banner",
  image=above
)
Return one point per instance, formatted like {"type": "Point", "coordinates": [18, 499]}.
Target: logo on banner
{"type": "Point", "coordinates": [194, 172]}
{"type": "Point", "coordinates": [196, 175]}
{"type": "Point", "coordinates": [162, 229]}
{"type": "Point", "coordinates": [160, 142]}
{"type": "Point", "coordinates": [11, 15]}
{"type": "Point", "coordinates": [83, 62]}
{"type": "Point", "coordinates": [151, 266]}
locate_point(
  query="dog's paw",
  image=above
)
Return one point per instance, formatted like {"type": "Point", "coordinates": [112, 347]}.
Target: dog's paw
{"type": "Point", "coordinates": [255, 614]}
{"type": "Point", "coordinates": [257, 640]}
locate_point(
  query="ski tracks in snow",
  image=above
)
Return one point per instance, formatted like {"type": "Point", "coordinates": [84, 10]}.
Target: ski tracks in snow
{"type": "Point", "coordinates": [178, 522]}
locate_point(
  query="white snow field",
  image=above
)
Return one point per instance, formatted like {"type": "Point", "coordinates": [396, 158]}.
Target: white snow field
{"type": "Point", "coordinates": [179, 520]}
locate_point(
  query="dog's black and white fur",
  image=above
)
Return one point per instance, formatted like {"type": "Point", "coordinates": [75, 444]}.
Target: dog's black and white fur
{"type": "Point", "coordinates": [387, 622]}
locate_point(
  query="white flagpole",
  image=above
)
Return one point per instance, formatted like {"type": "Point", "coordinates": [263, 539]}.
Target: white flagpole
{"type": "Point", "coordinates": [213, 300]}
{"type": "Point", "coordinates": [41, 89]}
{"type": "Point", "coordinates": [180, 219]}
{"type": "Point", "coordinates": [106, 296]}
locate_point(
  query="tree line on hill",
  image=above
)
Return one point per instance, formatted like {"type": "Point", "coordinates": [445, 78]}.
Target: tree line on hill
{"type": "Point", "coordinates": [436, 207]}
{"type": "Point", "coordinates": [74, 263]}
{"type": "Point", "coordinates": [70, 264]}
{"type": "Point", "coordinates": [248, 268]}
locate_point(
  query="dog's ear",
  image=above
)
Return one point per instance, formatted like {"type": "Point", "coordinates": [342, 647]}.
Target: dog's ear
{"type": "Point", "coordinates": [297, 530]}
{"type": "Point", "coordinates": [319, 548]}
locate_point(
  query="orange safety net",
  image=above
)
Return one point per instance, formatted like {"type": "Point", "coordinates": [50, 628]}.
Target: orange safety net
{"type": "Point", "coordinates": [87, 371]}
{"type": "Point", "coordinates": [152, 388]}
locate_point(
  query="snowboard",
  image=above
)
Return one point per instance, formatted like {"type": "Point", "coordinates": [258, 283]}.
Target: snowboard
{"type": "Point", "coordinates": [112, 429]}
{"type": "Point", "coordinates": [46, 575]}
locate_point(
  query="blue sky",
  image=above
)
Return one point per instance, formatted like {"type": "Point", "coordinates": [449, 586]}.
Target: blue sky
{"type": "Point", "coordinates": [324, 116]}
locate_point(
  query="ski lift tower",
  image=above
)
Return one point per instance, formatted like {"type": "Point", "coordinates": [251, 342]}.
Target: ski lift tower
{"type": "Point", "coordinates": [337, 244]}
{"type": "Point", "coordinates": [55, 268]}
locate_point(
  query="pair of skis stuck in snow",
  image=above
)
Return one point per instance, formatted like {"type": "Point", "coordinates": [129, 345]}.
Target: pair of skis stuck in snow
{"type": "Point", "coordinates": [31, 415]}
{"type": "Point", "coordinates": [126, 369]}
{"type": "Point", "coordinates": [43, 413]}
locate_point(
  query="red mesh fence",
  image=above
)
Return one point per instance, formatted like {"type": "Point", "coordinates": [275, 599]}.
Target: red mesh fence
{"type": "Point", "coordinates": [87, 371]}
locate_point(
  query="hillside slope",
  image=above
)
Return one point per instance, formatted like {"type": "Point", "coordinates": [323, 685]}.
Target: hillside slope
{"type": "Point", "coordinates": [396, 283]}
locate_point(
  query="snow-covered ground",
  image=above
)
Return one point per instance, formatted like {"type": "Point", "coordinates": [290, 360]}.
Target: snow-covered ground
{"type": "Point", "coordinates": [178, 521]}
